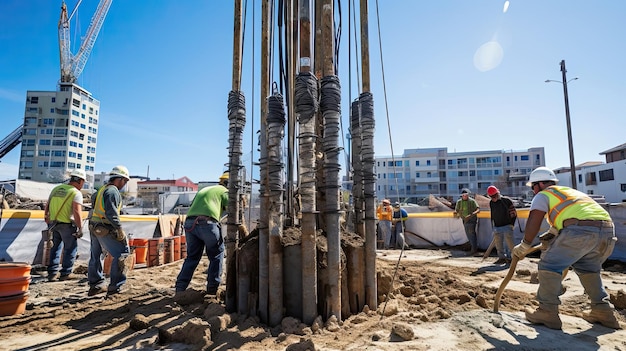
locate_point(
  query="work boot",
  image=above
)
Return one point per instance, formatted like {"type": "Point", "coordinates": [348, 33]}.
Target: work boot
{"type": "Point", "coordinates": [500, 261]}
{"type": "Point", "coordinates": [546, 317]}
{"type": "Point", "coordinates": [53, 277]}
{"type": "Point", "coordinates": [70, 276]}
{"type": "Point", "coordinates": [606, 317]}
{"type": "Point", "coordinates": [95, 290]}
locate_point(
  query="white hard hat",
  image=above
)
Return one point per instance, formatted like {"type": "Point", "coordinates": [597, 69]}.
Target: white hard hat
{"type": "Point", "coordinates": [541, 174]}
{"type": "Point", "coordinates": [119, 171]}
{"type": "Point", "coordinates": [79, 173]}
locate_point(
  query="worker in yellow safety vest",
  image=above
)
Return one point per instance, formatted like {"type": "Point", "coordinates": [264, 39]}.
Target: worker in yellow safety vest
{"type": "Point", "coordinates": [63, 217]}
{"type": "Point", "coordinates": [105, 231]}
{"type": "Point", "coordinates": [581, 236]}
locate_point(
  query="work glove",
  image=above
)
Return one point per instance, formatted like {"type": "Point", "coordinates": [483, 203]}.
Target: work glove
{"type": "Point", "coordinates": [120, 235]}
{"type": "Point", "coordinates": [78, 234]}
{"type": "Point", "coordinates": [521, 250]}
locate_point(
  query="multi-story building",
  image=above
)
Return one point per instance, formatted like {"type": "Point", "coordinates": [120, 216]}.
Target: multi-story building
{"type": "Point", "coordinates": [599, 179]}
{"type": "Point", "coordinates": [60, 134]}
{"type": "Point", "coordinates": [418, 173]}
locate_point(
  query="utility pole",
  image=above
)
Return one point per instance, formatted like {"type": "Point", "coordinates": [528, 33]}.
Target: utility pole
{"type": "Point", "coordinates": [569, 127]}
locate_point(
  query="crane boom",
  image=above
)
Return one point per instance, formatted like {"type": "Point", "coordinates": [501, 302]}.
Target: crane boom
{"type": "Point", "coordinates": [72, 65]}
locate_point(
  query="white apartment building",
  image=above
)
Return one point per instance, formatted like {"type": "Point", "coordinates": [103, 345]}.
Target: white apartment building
{"type": "Point", "coordinates": [418, 173]}
{"type": "Point", "coordinates": [601, 179]}
{"type": "Point", "coordinates": [59, 134]}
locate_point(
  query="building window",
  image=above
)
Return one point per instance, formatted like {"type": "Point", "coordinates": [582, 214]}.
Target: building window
{"type": "Point", "coordinates": [417, 163]}
{"type": "Point", "coordinates": [34, 99]}
{"type": "Point", "coordinates": [524, 157]}
{"type": "Point", "coordinates": [590, 178]}
{"type": "Point", "coordinates": [417, 174]}
{"type": "Point", "coordinates": [54, 99]}
{"type": "Point", "coordinates": [427, 162]}
{"type": "Point", "coordinates": [606, 175]}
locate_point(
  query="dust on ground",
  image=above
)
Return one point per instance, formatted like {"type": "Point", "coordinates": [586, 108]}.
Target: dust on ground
{"type": "Point", "coordinates": [438, 300]}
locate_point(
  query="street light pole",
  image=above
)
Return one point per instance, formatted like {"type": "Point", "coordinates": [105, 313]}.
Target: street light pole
{"type": "Point", "coordinates": [572, 164]}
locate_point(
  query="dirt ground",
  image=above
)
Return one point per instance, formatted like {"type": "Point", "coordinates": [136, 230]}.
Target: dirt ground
{"type": "Point", "coordinates": [440, 300]}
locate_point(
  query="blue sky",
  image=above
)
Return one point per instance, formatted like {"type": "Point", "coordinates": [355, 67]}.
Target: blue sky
{"type": "Point", "coordinates": [163, 72]}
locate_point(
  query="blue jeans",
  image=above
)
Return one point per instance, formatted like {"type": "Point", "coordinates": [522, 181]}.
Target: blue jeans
{"type": "Point", "coordinates": [504, 235]}
{"type": "Point", "coordinates": [62, 238]}
{"type": "Point", "coordinates": [398, 235]}
{"type": "Point", "coordinates": [201, 236]}
{"type": "Point", "coordinates": [583, 248]}
{"type": "Point", "coordinates": [385, 232]}
{"type": "Point", "coordinates": [116, 249]}
{"type": "Point", "coordinates": [470, 232]}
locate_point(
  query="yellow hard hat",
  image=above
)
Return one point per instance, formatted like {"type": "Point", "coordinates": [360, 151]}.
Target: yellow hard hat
{"type": "Point", "coordinates": [224, 176]}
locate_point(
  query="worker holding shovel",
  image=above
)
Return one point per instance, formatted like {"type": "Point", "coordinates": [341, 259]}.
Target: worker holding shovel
{"type": "Point", "coordinates": [582, 236]}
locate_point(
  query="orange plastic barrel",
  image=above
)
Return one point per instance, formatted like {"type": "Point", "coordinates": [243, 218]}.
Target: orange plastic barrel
{"type": "Point", "coordinates": [176, 247]}
{"type": "Point", "coordinates": [12, 305]}
{"type": "Point", "coordinates": [168, 247]}
{"type": "Point", "coordinates": [141, 250]}
{"type": "Point", "coordinates": [14, 285]}
{"type": "Point", "coordinates": [183, 247]}
{"type": "Point", "coordinates": [106, 267]}
{"type": "Point", "coordinates": [108, 259]}
{"type": "Point", "coordinates": [155, 252]}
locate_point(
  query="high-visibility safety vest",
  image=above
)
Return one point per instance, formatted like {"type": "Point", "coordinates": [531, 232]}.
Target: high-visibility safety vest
{"type": "Point", "coordinates": [568, 203]}
{"type": "Point", "coordinates": [99, 213]}
{"type": "Point", "coordinates": [60, 196]}
{"type": "Point", "coordinates": [384, 214]}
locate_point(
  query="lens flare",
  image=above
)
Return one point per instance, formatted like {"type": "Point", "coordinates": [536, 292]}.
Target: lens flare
{"type": "Point", "coordinates": [488, 56]}
{"type": "Point", "coordinates": [506, 7]}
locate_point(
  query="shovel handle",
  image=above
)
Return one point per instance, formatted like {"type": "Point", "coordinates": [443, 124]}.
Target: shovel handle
{"type": "Point", "coordinates": [509, 275]}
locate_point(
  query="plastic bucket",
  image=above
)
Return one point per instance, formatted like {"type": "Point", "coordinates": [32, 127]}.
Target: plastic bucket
{"type": "Point", "coordinates": [12, 305]}
{"type": "Point", "coordinates": [183, 247]}
{"type": "Point", "coordinates": [14, 269]}
{"type": "Point", "coordinates": [14, 286]}
{"type": "Point", "coordinates": [141, 250]}
{"type": "Point", "coordinates": [155, 252]}
{"type": "Point", "coordinates": [168, 245]}
{"type": "Point", "coordinates": [108, 259]}
{"type": "Point", "coordinates": [176, 248]}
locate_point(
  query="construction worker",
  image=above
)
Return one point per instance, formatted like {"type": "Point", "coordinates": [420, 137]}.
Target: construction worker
{"type": "Point", "coordinates": [399, 217]}
{"type": "Point", "coordinates": [467, 209]}
{"type": "Point", "coordinates": [582, 236]}
{"type": "Point", "coordinates": [384, 213]}
{"type": "Point", "coordinates": [503, 216]}
{"type": "Point", "coordinates": [63, 217]}
{"type": "Point", "coordinates": [105, 231]}
{"type": "Point", "coordinates": [203, 231]}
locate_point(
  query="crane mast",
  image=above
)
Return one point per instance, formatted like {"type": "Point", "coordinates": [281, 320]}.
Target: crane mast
{"type": "Point", "coordinates": [72, 65]}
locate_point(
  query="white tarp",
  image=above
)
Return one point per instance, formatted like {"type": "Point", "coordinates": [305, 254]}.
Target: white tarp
{"type": "Point", "coordinates": [438, 227]}
{"type": "Point", "coordinates": [35, 191]}
{"type": "Point", "coordinates": [21, 238]}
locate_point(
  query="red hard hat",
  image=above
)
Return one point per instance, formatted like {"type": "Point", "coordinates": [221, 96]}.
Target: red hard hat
{"type": "Point", "coordinates": [492, 190]}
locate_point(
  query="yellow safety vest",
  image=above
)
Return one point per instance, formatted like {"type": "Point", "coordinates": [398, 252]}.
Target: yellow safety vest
{"type": "Point", "coordinates": [99, 213]}
{"type": "Point", "coordinates": [60, 196]}
{"type": "Point", "coordinates": [568, 203]}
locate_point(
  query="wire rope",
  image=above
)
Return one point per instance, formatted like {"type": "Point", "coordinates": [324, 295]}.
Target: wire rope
{"type": "Point", "coordinates": [382, 65]}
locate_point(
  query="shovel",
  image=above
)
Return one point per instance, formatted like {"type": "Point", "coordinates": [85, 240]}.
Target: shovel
{"type": "Point", "coordinates": [489, 249]}
{"type": "Point", "coordinates": [496, 302]}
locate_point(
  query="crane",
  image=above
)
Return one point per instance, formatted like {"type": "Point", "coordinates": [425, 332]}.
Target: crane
{"type": "Point", "coordinates": [72, 65]}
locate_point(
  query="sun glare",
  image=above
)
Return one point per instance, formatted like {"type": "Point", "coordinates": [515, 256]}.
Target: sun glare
{"type": "Point", "coordinates": [488, 56]}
